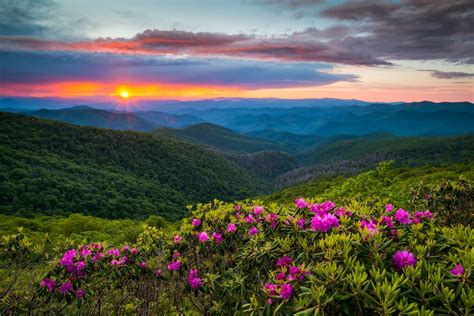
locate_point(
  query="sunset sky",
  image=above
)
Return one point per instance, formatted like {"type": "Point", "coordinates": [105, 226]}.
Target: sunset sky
{"type": "Point", "coordinates": [408, 50]}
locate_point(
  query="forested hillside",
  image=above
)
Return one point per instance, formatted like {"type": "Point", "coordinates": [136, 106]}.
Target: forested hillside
{"type": "Point", "coordinates": [56, 168]}
{"type": "Point", "coordinates": [351, 156]}
{"type": "Point", "coordinates": [220, 138]}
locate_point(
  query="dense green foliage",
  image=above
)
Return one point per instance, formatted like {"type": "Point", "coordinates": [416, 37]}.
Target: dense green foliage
{"type": "Point", "coordinates": [274, 264]}
{"type": "Point", "coordinates": [406, 151]}
{"type": "Point", "coordinates": [54, 168]}
{"type": "Point", "coordinates": [391, 184]}
{"type": "Point", "coordinates": [219, 137]}
{"type": "Point", "coordinates": [265, 164]}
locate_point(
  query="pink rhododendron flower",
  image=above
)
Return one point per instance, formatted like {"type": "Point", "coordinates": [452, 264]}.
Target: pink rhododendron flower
{"type": "Point", "coordinates": [253, 231]}
{"type": "Point", "coordinates": [270, 288]}
{"type": "Point", "coordinates": [370, 226]}
{"type": "Point", "coordinates": [257, 210]}
{"type": "Point", "coordinates": [426, 215]}
{"type": "Point", "coordinates": [249, 219]}
{"type": "Point", "coordinates": [280, 276]}
{"type": "Point", "coordinates": [286, 291]}
{"type": "Point", "coordinates": [284, 261]}
{"type": "Point", "coordinates": [457, 270]}
{"type": "Point", "coordinates": [176, 254]}
{"type": "Point", "coordinates": [203, 236]}
{"type": "Point", "coordinates": [324, 223]}
{"type": "Point", "coordinates": [217, 237]}
{"type": "Point", "coordinates": [301, 223]}
{"type": "Point", "coordinates": [402, 216]}
{"type": "Point", "coordinates": [194, 280]}
{"type": "Point", "coordinates": [388, 208]}
{"type": "Point", "coordinates": [403, 258]}
{"type": "Point", "coordinates": [134, 251]}
{"type": "Point", "coordinates": [174, 266]}
{"type": "Point", "coordinates": [121, 262]}
{"type": "Point", "coordinates": [80, 266]}
{"type": "Point", "coordinates": [272, 217]}
{"type": "Point", "coordinates": [237, 207]}
{"type": "Point", "coordinates": [231, 228]}
{"type": "Point", "coordinates": [387, 221]}
{"type": "Point", "coordinates": [323, 208]}
{"type": "Point", "coordinates": [142, 265]}
{"type": "Point", "coordinates": [97, 256]}
{"type": "Point", "coordinates": [301, 203]}
{"type": "Point", "coordinates": [85, 252]}
{"type": "Point", "coordinates": [270, 301]}
{"type": "Point", "coordinates": [65, 288]}
{"type": "Point", "coordinates": [177, 239]}
{"type": "Point", "coordinates": [79, 293]}
{"type": "Point", "coordinates": [125, 248]}
{"type": "Point", "coordinates": [49, 284]}
{"type": "Point", "coordinates": [68, 258]}
{"type": "Point", "coordinates": [158, 272]}
{"type": "Point", "coordinates": [342, 212]}
{"type": "Point", "coordinates": [196, 222]}
{"type": "Point", "coordinates": [114, 252]}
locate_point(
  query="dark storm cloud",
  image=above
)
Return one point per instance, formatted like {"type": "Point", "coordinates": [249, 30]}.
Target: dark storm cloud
{"type": "Point", "coordinates": [45, 67]}
{"type": "Point", "coordinates": [412, 29]}
{"type": "Point", "coordinates": [450, 74]}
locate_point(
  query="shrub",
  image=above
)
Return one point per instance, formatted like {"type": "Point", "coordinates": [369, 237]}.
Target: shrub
{"type": "Point", "coordinates": [308, 259]}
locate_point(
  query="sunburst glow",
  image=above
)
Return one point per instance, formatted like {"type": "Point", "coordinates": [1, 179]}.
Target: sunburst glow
{"type": "Point", "coordinates": [124, 94]}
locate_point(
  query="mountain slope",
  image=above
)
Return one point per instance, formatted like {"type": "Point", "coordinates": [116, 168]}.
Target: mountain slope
{"type": "Point", "coordinates": [169, 120]}
{"type": "Point", "coordinates": [56, 168]}
{"type": "Point", "coordinates": [219, 137]}
{"type": "Point", "coordinates": [87, 116]}
{"type": "Point", "coordinates": [405, 150]}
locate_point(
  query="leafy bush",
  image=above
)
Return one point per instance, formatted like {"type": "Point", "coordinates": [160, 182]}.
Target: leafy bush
{"type": "Point", "coordinates": [311, 258]}
{"type": "Point", "coordinates": [453, 201]}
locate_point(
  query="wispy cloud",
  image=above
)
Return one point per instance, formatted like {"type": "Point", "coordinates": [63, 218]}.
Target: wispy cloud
{"type": "Point", "coordinates": [450, 74]}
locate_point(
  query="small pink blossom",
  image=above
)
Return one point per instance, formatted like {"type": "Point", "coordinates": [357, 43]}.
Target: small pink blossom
{"type": "Point", "coordinates": [301, 203]}
{"type": "Point", "coordinates": [257, 210]}
{"type": "Point", "coordinates": [403, 258]}
{"type": "Point", "coordinates": [231, 228]}
{"type": "Point", "coordinates": [217, 238]}
{"type": "Point", "coordinates": [324, 223]}
{"type": "Point", "coordinates": [457, 270]}
{"type": "Point", "coordinates": [134, 251]}
{"type": "Point", "coordinates": [174, 266]}
{"type": "Point", "coordinates": [114, 252]}
{"type": "Point", "coordinates": [196, 222]}
{"type": "Point", "coordinates": [203, 237]}
{"type": "Point", "coordinates": [65, 288]}
{"type": "Point", "coordinates": [286, 291]}
{"type": "Point", "coordinates": [403, 217]}
{"type": "Point", "coordinates": [388, 208]}
{"type": "Point", "coordinates": [177, 239]}
{"type": "Point", "coordinates": [79, 293]}
{"type": "Point", "coordinates": [301, 223]}
{"type": "Point", "coordinates": [253, 231]}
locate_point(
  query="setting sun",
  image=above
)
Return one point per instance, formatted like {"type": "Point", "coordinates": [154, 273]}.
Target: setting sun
{"type": "Point", "coordinates": [124, 94]}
